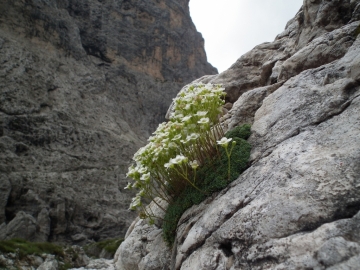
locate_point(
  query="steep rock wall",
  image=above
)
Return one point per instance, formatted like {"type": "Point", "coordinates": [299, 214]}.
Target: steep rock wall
{"type": "Point", "coordinates": [297, 206]}
{"type": "Point", "coordinates": [83, 83]}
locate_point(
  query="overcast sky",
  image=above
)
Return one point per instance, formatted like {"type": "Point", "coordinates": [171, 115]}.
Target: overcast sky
{"type": "Point", "coordinates": [233, 27]}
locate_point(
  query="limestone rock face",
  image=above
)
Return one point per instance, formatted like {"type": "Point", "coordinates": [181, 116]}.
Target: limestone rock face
{"type": "Point", "coordinates": [297, 206]}
{"type": "Point", "coordinates": [83, 84]}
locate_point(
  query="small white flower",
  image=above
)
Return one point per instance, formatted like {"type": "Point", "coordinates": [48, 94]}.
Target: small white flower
{"type": "Point", "coordinates": [186, 118]}
{"type": "Point", "coordinates": [177, 137]}
{"type": "Point", "coordinates": [139, 153]}
{"type": "Point", "coordinates": [142, 170]}
{"type": "Point", "coordinates": [129, 186]}
{"type": "Point", "coordinates": [201, 113]}
{"type": "Point", "coordinates": [164, 134]}
{"type": "Point", "coordinates": [172, 145]}
{"type": "Point", "coordinates": [169, 165]}
{"type": "Point", "coordinates": [204, 120]}
{"type": "Point", "coordinates": [224, 141]}
{"type": "Point", "coordinates": [178, 159]}
{"type": "Point", "coordinates": [192, 137]}
{"type": "Point", "coordinates": [178, 125]}
{"type": "Point", "coordinates": [131, 172]}
{"type": "Point", "coordinates": [194, 164]}
{"type": "Point", "coordinates": [179, 116]}
{"type": "Point", "coordinates": [145, 177]}
{"type": "Point", "coordinates": [136, 202]}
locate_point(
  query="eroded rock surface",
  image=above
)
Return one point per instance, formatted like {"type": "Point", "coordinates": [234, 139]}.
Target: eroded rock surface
{"type": "Point", "coordinates": [83, 83]}
{"type": "Point", "coordinates": [298, 204]}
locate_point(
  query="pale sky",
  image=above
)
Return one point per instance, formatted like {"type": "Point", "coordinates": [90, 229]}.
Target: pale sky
{"type": "Point", "coordinates": [233, 27]}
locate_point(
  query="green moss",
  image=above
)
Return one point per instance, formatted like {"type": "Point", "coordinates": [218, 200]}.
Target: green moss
{"type": "Point", "coordinates": [242, 132]}
{"type": "Point", "coordinates": [25, 248]}
{"type": "Point", "coordinates": [111, 245]}
{"type": "Point", "coordinates": [211, 177]}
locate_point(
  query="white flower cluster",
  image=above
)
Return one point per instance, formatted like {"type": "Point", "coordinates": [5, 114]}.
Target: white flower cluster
{"type": "Point", "coordinates": [178, 144]}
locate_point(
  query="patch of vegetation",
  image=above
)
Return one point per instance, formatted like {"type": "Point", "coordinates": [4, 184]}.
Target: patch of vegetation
{"type": "Point", "coordinates": [110, 246]}
{"type": "Point", "coordinates": [65, 266]}
{"type": "Point", "coordinates": [188, 158]}
{"type": "Point", "coordinates": [24, 248]}
{"type": "Point", "coordinates": [243, 132]}
{"type": "Point", "coordinates": [210, 178]}
{"type": "Point", "coordinates": [169, 162]}
{"type": "Point", "coordinates": [357, 31]}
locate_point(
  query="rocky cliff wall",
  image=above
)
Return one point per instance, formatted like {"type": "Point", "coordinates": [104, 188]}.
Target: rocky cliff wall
{"type": "Point", "coordinates": [297, 205]}
{"type": "Point", "coordinates": [83, 83]}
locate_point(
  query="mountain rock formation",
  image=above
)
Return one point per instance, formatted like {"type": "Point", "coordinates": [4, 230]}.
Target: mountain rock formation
{"type": "Point", "coordinates": [297, 206]}
{"type": "Point", "coordinates": [83, 83]}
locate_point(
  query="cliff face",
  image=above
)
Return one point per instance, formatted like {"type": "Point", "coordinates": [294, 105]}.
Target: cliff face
{"type": "Point", "coordinates": [83, 84]}
{"type": "Point", "coordinates": [297, 205]}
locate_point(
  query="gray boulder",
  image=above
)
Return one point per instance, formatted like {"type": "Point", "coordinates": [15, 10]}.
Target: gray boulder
{"type": "Point", "coordinates": [144, 247]}
{"type": "Point", "coordinates": [50, 263]}
{"type": "Point", "coordinates": [22, 226]}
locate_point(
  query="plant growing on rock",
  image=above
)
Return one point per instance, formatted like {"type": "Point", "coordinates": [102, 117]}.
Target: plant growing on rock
{"type": "Point", "coordinates": [188, 158]}
{"type": "Point", "coordinates": [168, 163]}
